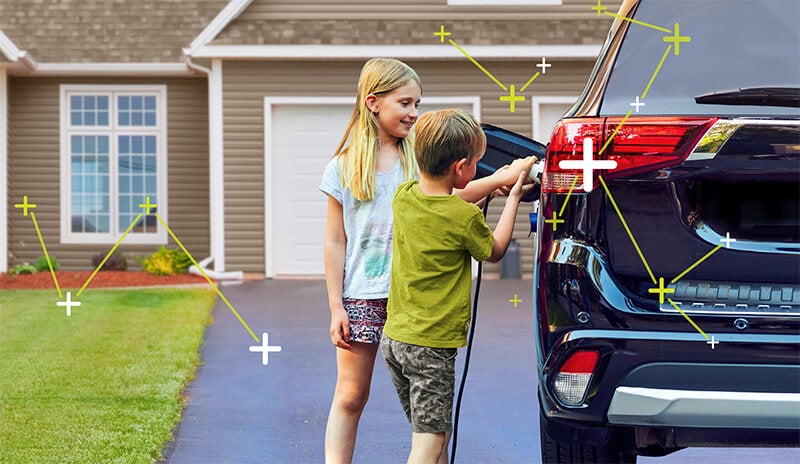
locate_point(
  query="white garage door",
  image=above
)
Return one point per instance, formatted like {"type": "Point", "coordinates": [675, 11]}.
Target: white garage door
{"type": "Point", "coordinates": [300, 137]}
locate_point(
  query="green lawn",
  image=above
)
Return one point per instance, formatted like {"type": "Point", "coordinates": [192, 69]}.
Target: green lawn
{"type": "Point", "coordinates": [100, 386]}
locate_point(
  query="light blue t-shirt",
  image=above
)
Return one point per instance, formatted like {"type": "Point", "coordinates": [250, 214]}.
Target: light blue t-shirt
{"type": "Point", "coordinates": [368, 228]}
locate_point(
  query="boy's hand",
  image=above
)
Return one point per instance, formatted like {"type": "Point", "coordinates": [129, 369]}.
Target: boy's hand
{"type": "Point", "coordinates": [340, 328]}
{"type": "Point", "coordinates": [520, 189]}
{"type": "Point", "coordinates": [507, 175]}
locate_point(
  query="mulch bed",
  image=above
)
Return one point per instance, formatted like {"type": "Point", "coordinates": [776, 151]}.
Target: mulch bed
{"type": "Point", "coordinates": [75, 279]}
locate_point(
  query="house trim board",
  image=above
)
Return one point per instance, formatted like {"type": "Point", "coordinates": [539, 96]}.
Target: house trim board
{"type": "Point", "coordinates": [536, 104]}
{"type": "Point", "coordinates": [402, 51]}
{"type": "Point", "coordinates": [269, 102]}
{"type": "Point", "coordinates": [230, 12]}
{"type": "Point", "coordinates": [216, 166]}
{"type": "Point", "coordinates": [112, 69]}
{"type": "Point", "coordinates": [4, 218]}
{"type": "Point", "coordinates": [66, 235]}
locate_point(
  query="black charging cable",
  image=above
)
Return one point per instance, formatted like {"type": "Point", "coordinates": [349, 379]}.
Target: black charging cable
{"type": "Point", "coordinates": [469, 345]}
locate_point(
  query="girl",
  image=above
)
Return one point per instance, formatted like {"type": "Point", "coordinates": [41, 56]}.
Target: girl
{"type": "Point", "coordinates": [373, 158]}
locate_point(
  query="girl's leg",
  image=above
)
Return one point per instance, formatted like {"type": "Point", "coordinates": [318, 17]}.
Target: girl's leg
{"type": "Point", "coordinates": [352, 391]}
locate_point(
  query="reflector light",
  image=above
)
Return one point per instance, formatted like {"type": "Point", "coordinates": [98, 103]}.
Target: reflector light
{"type": "Point", "coordinates": [640, 145]}
{"type": "Point", "coordinates": [572, 381]}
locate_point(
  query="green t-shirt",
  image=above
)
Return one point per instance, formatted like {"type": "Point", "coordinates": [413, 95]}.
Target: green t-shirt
{"type": "Point", "coordinates": [432, 241]}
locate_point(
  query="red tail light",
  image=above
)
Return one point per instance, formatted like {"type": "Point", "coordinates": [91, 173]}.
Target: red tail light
{"type": "Point", "coordinates": [640, 145]}
{"type": "Point", "coordinates": [571, 382]}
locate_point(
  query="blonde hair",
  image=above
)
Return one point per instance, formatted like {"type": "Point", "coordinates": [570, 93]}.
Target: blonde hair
{"type": "Point", "coordinates": [361, 142]}
{"type": "Point", "coordinates": [444, 137]}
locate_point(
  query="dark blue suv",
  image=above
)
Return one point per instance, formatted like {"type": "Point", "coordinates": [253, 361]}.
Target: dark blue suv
{"type": "Point", "coordinates": [667, 281]}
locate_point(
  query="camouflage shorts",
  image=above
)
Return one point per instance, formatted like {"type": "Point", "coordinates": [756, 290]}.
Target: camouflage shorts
{"type": "Point", "coordinates": [425, 381]}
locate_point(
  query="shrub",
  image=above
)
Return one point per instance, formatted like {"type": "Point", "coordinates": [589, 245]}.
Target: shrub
{"type": "Point", "coordinates": [166, 262]}
{"type": "Point", "coordinates": [41, 264]}
{"type": "Point", "coordinates": [115, 262]}
{"type": "Point", "coordinates": [24, 268]}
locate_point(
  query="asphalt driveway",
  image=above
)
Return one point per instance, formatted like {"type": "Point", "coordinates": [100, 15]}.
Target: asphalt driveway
{"type": "Point", "coordinates": [240, 411]}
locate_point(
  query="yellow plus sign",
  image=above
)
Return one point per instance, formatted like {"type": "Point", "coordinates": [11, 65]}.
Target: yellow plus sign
{"type": "Point", "coordinates": [511, 98]}
{"type": "Point", "coordinates": [515, 300]}
{"type": "Point", "coordinates": [555, 221]}
{"type": "Point", "coordinates": [147, 205]}
{"type": "Point", "coordinates": [660, 290]}
{"type": "Point", "coordinates": [677, 39]}
{"type": "Point", "coordinates": [442, 34]}
{"type": "Point", "coordinates": [25, 205]}
{"type": "Point", "coordinates": [599, 8]}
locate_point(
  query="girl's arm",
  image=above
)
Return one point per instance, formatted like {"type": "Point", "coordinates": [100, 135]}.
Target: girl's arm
{"type": "Point", "coordinates": [334, 255]}
{"type": "Point", "coordinates": [504, 177]}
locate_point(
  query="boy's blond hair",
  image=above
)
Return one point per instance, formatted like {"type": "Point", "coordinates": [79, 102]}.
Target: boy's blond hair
{"type": "Point", "coordinates": [360, 143]}
{"type": "Point", "coordinates": [444, 137]}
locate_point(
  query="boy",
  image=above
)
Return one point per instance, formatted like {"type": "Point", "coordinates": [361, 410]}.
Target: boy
{"type": "Point", "coordinates": [435, 234]}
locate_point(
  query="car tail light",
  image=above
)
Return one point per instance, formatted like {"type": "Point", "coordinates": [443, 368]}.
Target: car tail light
{"type": "Point", "coordinates": [572, 381]}
{"type": "Point", "coordinates": [639, 145]}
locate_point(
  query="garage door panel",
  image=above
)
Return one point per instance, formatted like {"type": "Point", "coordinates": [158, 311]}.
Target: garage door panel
{"type": "Point", "coordinates": [302, 139]}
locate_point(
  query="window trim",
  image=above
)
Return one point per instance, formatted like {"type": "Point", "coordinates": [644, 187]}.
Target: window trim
{"type": "Point", "coordinates": [504, 2]}
{"type": "Point", "coordinates": [113, 130]}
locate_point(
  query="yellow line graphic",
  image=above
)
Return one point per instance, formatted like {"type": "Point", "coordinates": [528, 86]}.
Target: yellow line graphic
{"type": "Point", "coordinates": [688, 318]}
{"type": "Point", "coordinates": [564, 206]}
{"type": "Point", "coordinates": [641, 23]}
{"type": "Point", "coordinates": [695, 264]}
{"type": "Point", "coordinates": [655, 73]}
{"type": "Point", "coordinates": [605, 145]}
{"type": "Point", "coordinates": [627, 229]}
{"type": "Point", "coordinates": [530, 81]}
{"type": "Point", "coordinates": [130, 227]}
{"type": "Point", "coordinates": [46, 255]}
{"type": "Point", "coordinates": [211, 282]}
{"type": "Point", "coordinates": [475, 62]}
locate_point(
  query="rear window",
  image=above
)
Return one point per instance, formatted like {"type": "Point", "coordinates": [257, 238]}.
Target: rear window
{"type": "Point", "coordinates": [734, 44]}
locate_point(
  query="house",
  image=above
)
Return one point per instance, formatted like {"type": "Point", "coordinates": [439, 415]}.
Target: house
{"type": "Point", "coordinates": [223, 113]}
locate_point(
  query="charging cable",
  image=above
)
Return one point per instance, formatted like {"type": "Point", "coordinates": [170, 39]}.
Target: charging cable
{"type": "Point", "coordinates": [469, 346]}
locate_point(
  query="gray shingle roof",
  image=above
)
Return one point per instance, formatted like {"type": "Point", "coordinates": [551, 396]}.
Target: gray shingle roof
{"type": "Point", "coordinates": [106, 31]}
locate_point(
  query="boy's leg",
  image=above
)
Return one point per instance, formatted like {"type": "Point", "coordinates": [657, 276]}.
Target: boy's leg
{"type": "Point", "coordinates": [427, 448]}
{"type": "Point", "coordinates": [443, 458]}
{"type": "Point", "coordinates": [352, 391]}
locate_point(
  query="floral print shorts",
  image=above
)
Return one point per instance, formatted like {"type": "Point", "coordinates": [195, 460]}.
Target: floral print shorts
{"type": "Point", "coordinates": [367, 318]}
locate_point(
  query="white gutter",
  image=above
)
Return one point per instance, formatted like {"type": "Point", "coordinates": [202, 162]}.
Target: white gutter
{"type": "Point", "coordinates": [441, 51]}
{"type": "Point", "coordinates": [4, 171]}
{"type": "Point", "coordinates": [112, 69]}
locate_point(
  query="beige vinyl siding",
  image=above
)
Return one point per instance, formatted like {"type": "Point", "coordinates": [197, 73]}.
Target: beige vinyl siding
{"type": "Point", "coordinates": [34, 164]}
{"type": "Point", "coordinates": [245, 83]}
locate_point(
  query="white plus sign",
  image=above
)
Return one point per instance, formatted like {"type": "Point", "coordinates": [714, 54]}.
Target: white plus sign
{"type": "Point", "coordinates": [712, 342]}
{"type": "Point", "coordinates": [637, 104]}
{"type": "Point", "coordinates": [265, 348]}
{"type": "Point", "coordinates": [544, 65]}
{"type": "Point", "coordinates": [588, 165]}
{"type": "Point", "coordinates": [69, 303]}
{"type": "Point", "coordinates": [727, 240]}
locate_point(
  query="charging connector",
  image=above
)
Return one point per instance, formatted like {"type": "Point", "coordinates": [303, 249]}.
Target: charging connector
{"type": "Point", "coordinates": [535, 174]}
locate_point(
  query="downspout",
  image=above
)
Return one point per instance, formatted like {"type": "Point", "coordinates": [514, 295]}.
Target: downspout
{"type": "Point", "coordinates": [216, 203]}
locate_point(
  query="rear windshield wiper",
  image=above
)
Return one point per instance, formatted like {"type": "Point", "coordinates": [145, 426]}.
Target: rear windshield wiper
{"type": "Point", "coordinates": [753, 96]}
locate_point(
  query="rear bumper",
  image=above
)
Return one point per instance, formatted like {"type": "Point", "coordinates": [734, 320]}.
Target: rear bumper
{"type": "Point", "coordinates": [636, 406]}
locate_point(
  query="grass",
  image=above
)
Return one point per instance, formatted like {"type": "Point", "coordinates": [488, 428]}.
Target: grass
{"type": "Point", "coordinates": [102, 385]}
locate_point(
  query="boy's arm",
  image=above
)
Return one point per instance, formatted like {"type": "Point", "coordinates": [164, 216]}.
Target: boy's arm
{"type": "Point", "coordinates": [506, 176]}
{"type": "Point", "coordinates": [505, 226]}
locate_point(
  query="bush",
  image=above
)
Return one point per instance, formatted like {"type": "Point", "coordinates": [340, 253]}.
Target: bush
{"type": "Point", "coordinates": [24, 268]}
{"type": "Point", "coordinates": [41, 264]}
{"type": "Point", "coordinates": [115, 262]}
{"type": "Point", "coordinates": [166, 262]}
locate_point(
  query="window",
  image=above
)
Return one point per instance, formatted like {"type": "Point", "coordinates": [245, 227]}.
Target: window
{"type": "Point", "coordinates": [113, 144]}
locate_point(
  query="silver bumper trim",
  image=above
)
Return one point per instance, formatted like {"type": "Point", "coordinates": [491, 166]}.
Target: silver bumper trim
{"type": "Point", "coordinates": [689, 408]}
